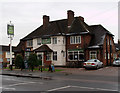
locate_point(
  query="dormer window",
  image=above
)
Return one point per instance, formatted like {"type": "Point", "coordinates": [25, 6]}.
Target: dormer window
{"type": "Point", "coordinates": [29, 43]}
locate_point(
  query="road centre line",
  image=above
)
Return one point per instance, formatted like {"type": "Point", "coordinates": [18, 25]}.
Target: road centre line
{"type": "Point", "coordinates": [59, 88]}
{"type": "Point", "coordinates": [19, 84]}
{"type": "Point", "coordinates": [95, 88]}
{"type": "Point", "coordinates": [22, 81]}
{"type": "Point", "coordinates": [81, 87]}
{"type": "Point", "coordinates": [7, 88]}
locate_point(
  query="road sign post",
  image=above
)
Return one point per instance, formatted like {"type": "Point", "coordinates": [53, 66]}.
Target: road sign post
{"type": "Point", "coordinates": [10, 32]}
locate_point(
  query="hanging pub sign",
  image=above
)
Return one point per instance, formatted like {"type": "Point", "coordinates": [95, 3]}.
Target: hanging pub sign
{"type": "Point", "coordinates": [10, 29]}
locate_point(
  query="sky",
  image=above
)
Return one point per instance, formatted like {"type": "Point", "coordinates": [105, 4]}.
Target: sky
{"type": "Point", "coordinates": [26, 15]}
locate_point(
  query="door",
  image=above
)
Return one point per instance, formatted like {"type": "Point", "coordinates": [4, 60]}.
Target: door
{"type": "Point", "coordinates": [40, 58]}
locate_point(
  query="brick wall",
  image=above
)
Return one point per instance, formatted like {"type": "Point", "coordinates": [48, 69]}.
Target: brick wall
{"type": "Point", "coordinates": [110, 61]}
{"type": "Point", "coordinates": [85, 40]}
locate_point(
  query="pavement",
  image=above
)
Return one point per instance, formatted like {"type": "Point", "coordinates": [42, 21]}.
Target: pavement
{"type": "Point", "coordinates": [66, 71]}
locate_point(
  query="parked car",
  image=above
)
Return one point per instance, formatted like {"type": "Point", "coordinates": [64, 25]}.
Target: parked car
{"type": "Point", "coordinates": [116, 62]}
{"type": "Point", "coordinates": [93, 63]}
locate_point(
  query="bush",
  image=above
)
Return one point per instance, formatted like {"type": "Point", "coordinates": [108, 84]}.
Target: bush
{"type": "Point", "coordinates": [19, 62]}
{"type": "Point", "coordinates": [32, 61]}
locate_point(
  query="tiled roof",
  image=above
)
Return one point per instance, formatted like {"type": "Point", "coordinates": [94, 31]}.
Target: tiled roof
{"type": "Point", "coordinates": [43, 48]}
{"type": "Point", "coordinates": [117, 46]}
{"type": "Point", "coordinates": [59, 27]}
{"type": "Point", "coordinates": [98, 34]}
{"type": "Point", "coordinates": [78, 26]}
{"type": "Point", "coordinates": [19, 47]}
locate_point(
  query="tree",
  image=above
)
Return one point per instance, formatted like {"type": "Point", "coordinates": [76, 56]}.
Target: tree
{"type": "Point", "coordinates": [32, 61]}
{"type": "Point", "coordinates": [19, 62]}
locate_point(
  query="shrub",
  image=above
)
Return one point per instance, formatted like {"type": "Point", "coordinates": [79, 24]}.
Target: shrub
{"type": "Point", "coordinates": [19, 62]}
{"type": "Point", "coordinates": [32, 61]}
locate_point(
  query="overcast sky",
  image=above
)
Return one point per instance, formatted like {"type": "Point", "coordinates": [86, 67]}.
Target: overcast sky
{"type": "Point", "coordinates": [27, 16]}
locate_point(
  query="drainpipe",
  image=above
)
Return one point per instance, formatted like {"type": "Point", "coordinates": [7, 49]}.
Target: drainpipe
{"type": "Point", "coordinates": [110, 51]}
{"type": "Point", "coordinates": [106, 52]}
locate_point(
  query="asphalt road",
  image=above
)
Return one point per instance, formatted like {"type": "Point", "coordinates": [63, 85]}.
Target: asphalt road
{"type": "Point", "coordinates": [71, 82]}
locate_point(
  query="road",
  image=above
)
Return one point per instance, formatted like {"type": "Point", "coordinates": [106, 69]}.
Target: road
{"type": "Point", "coordinates": [87, 81]}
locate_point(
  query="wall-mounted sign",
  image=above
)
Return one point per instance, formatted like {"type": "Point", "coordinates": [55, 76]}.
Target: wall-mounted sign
{"type": "Point", "coordinates": [80, 50]}
{"type": "Point", "coordinates": [10, 29]}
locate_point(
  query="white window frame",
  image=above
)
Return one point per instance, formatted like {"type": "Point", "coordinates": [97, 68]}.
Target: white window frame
{"type": "Point", "coordinates": [39, 41]}
{"type": "Point", "coordinates": [29, 43]}
{"type": "Point", "coordinates": [108, 55]}
{"type": "Point", "coordinates": [75, 39]}
{"type": "Point", "coordinates": [92, 54]}
{"type": "Point", "coordinates": [74, 55]}
{"type": "Point", "coordinates": [108, 42]}
{"type": "Point", "coordinates": [54, 40]}
{"type": "Point", "coordinates": [1, 59]}
{"type": "Point", "coordinates": [105, 55]}
{"type": "Point", "coordinates": [55, 55]}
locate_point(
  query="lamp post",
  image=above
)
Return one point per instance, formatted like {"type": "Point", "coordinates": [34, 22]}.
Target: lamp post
{"type": "Point", "coordinates": [10, 32]}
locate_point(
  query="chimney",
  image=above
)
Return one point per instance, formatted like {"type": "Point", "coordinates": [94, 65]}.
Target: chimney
{"type": "Point", "coordinates": [118, 41]}
{"type": "Point", "coordinates": [81, 18]}
{"type": "Point", "coordinates": [70, 16]}
{"type": "Point", "coordinates": [45, 21]}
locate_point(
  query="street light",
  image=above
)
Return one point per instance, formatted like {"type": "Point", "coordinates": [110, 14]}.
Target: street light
{"type": "Point", "coordinates": [10, 32]}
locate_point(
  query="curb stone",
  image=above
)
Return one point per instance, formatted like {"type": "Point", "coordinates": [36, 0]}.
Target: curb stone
{"type": "Point", "coordinates": [31, 76]}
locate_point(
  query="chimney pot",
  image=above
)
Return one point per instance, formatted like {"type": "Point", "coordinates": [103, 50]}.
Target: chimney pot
{"type": "Point", "coordinates": [81, 18]}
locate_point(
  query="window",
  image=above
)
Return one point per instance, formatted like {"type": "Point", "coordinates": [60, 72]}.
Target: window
{"type": "Point", "coordinates": [93, 55]}
{"type": "Point", "coordinates": [108, 41]}
{"type": "Point", "coordinates": [38, 41]}
{"type": "Point", "coordinates": [55, 56]}
{"type": "Point", "coordinates": [46, 40]}
{"type": "Point", "coordinates": [8, 53]}
{"type": "Point", "coordinates": [75, 39]}
{"type": "Point", "coordinates": [54, 39]}
{"type": "Point", "coordinates": [0, 52]}
{"type": "Point", "coordinates": [75, 56]}
{"type": "Point", "coordinates": [1, 60]}
{"type": "Point", "coordinates": [8, 59]}
{"type": "Point", "coordinates": [63, 40]}
{"type": "Point", "coordinates": [114, 56]}
{"type": "Point", "coordinates": [29, 43]}
{"type": "Point", "coordinates": [105, 55]}
{"type": "Point", "coordinates": [48, 56]}
{"type": "Point", "coordinates": [108, 56]}
{"type": "Point", "coordinates": [70, 56]}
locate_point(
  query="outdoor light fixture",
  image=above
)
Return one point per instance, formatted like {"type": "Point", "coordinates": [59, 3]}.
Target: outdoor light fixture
{"type": "Point", "coordinates": [62, 51]}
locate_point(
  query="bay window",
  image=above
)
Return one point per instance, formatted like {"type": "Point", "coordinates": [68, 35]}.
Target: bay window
{"type": "Point", "coordinates": [75, 56]}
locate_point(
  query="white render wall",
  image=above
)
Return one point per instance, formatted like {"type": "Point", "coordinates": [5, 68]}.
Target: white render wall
{"type": "Point", "coordinates": [61, 60]}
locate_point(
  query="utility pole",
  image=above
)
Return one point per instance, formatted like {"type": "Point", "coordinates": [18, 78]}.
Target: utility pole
{"type": "Point", "coordinates": [10, 32]}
